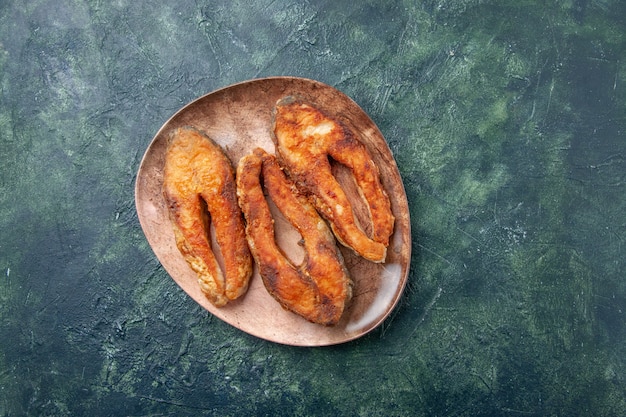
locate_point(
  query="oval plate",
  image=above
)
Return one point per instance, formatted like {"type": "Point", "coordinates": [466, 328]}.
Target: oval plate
{"type": "Point", "coordinates": [238, 117]}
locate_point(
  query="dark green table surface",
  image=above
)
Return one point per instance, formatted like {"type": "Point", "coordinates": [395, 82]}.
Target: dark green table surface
{"type": "Point", "coordinates": [508, 123]}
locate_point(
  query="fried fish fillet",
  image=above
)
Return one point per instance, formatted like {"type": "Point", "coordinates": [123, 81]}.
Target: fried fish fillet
{"type": "Point", "coordinates": [320, 287]}
{"type": "Point", "coordinates": [200, 191]}
{"type": "Point", "coordinates": [305, 138]}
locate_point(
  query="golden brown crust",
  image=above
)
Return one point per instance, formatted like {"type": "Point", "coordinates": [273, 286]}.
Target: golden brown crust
{"type": "Point", "coordinates": [200, 191]}
{"type": "Point", "coordinates": [305, 138]}
{"type": "Point", "coordinates": [320, 287]}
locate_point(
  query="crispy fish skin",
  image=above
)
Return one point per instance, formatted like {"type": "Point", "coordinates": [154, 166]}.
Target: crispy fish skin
{"type": "Point", "coordinates": [200, 190]}
{"type": "Point", "coordinates": [305, 138]}
{"type": "Point", "coordinates": [320, 287]}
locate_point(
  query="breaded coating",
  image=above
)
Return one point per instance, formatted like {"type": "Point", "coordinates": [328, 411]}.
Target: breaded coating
{"type": "Point", "coordinates": [320, 287]}
{"type": "Point", "coordinates": [305, 139]}
{"type": "Point", "coordinates": [200, 191]}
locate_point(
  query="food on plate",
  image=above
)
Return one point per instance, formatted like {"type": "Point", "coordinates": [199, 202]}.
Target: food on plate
{"type": "Point", "coordinates": [319, 288]}
{"type": "Point", "coordinates": [306, 140]}
{"type": "Point", "coordinates": [200, 191]}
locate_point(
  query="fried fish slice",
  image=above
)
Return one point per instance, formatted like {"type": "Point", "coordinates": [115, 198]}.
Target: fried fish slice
{"type": "Point", "coordinates": [200, 191]}
{"type": "Point", "coordinates": [305, 138]}
{"type": "Point", "coordinates": [320, 287]}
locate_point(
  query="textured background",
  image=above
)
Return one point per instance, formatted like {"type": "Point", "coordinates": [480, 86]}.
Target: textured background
{"type": "Point", "coordinates": [508, 125]}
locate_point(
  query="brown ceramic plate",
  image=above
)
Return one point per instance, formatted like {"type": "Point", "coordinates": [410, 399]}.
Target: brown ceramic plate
{"type": "Point", "coordinates": [238, 117]}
